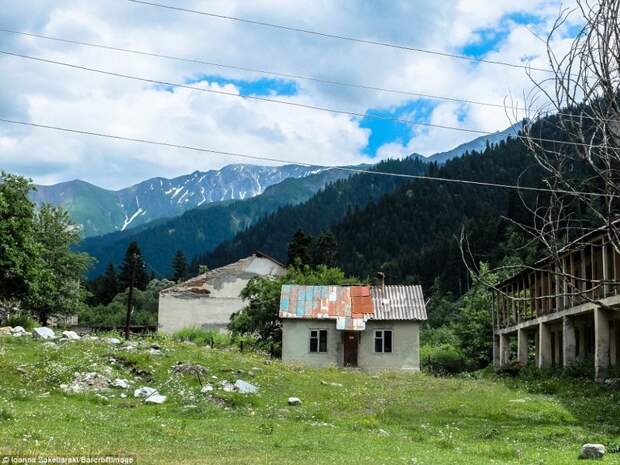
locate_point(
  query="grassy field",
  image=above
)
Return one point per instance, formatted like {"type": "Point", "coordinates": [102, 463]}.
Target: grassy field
{"type": "Point", "coordinates": [390, 418]}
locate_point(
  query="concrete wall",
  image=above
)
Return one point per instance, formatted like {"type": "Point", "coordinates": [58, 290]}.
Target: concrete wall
{"type": "Point", "coordinates": [405, 353]}
{"type": "Point", "coordinates": [180, 308]}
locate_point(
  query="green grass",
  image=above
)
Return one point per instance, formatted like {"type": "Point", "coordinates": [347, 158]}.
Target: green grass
{"type": "Point", "coordinates": [389, 418]}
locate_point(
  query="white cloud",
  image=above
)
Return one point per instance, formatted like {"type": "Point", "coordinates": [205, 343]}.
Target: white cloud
{"type": "Point", "coordinates": [47, 94]}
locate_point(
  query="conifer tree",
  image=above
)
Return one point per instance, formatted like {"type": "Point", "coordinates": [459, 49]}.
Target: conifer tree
{"type": "Point", "coordinates": [180, 267]}
{"type": "Point", "coordinates": [133, 257]}
{"type": "Point", "coordinates": [299, 248]}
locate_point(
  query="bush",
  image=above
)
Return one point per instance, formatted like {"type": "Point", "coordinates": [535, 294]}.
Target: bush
{"type": "Point", "coordinates": [442, 359]}
{"type": "Point", "coordinates": [21, 319]}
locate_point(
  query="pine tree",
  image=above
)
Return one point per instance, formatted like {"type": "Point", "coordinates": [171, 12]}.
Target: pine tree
{"type": "Point", "coordinates": [133, 257]}
{"type": "Point", "coordinates": [324, 250]}
{"type": "Point", "coordinates": [180, 267]}
{"type": "Point", "coordinates": [109, 285]}
{"type": "Point", "coordinates": [299, 248]}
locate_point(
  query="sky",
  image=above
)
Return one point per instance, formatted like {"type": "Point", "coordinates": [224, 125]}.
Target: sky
{"type": "Point", "coordinates": [48, 94]}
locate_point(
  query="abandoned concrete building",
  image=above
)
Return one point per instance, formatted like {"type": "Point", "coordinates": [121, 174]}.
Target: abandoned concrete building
{"type": "Point", "coordinates": [562, 311]}
{"type": "Point", "coordinates": [372, 328]}
{"type": "Point", "coordinates": [208, 300]}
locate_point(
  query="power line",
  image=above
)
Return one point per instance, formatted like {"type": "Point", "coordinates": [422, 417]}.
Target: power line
{"type": "Point", "coordinates": [338, 36]}
{"type": "Point", "coordinates": [249, 97]}
{"type": "Point", "coordinates": [285, 75]}
{"type": "Point", "coordinates": [293, 162]}
{"type": "Point", "coordinates": [257, 70]}
{"type": "Point", "coordinates": [294, 104]}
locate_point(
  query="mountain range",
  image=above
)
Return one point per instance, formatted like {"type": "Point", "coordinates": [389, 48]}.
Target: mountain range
{"type": "Point", "coordinates": [101, 211]}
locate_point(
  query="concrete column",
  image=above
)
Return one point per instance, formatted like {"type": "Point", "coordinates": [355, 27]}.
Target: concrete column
{"type": "Point", "coordinates": [581, 355]}
{"type": "Point", "coordinates": [522, 348]}
{"type": "Point", "coordinates": [613, 347]}
{"type": "Point", "coordinates": [504, 350]}
{"type": "Point", "coordinates": [496, 360]}
{"type": "Point", "coordinates": [601, 344]}
{"type": "Point", "coordinates": [544, 346]}
{"type": "Point", "coordinates": [569, 349]}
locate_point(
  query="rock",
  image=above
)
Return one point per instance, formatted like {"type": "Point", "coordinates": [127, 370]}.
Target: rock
{"type": "Point", "coordinates": [112, 341]}
{"type": "Point", "coordinates": [6, 331]}
{"type": "Point", "coordinates": [120, 383]}
{"type": "Point", "coordinates": [294, 401]}
{"type": "Point", "coordinates": [592, 451]}
{"type": "Point", "coordinates": [155, 399]}
{"type": "Point", "coordinates": [189, 369]}
{"type": "Point", "coordinates": [71, 335]}
{"type": "Point", "coordinates": [153, 351]}
{"type": "Point", "coordinates": [43, 333]}
{"type": "Point", "coordinates": [383, 432]}
{"type": "Point", "coordinates": [144, 391]}
{"type": "Point", "coordinates": [326, 383]}
{"type": "Point", "coordinates": [206, 389]}
{"type": "Point", "coordinates": [17, 330]}
{"type": "Point", "coordinates": [245, 388]}
{"type": "Point", "coordinates": [227, 386]}
{"type": "Point", "coordinates": [86, 382]}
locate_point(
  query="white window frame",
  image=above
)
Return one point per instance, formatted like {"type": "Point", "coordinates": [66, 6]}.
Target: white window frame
{"type": "Point", "coordinates": [318, 341]}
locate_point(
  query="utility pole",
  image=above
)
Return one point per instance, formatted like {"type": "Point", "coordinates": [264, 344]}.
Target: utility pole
{"type": "Point", "coordinates": [134, 259]}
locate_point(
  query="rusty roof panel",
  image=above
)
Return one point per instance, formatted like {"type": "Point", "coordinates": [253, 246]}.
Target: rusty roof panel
{"type": "Point", "coordinates": [351, 306]}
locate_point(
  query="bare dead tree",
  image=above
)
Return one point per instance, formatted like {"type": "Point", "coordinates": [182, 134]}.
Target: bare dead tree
{"type": "Point", "coordinates": [581, 161]}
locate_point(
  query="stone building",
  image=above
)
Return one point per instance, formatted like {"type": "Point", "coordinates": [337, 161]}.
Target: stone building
{"type": "Point", "coordinates": [373, 328]}
{"type": "Point", "coordinates": [208, 300]}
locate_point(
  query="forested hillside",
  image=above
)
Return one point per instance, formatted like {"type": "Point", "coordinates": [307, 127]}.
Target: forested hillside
{"type": "Point", "coordinates": [202, 228]}
{"type": "Point", "coordinates": [329, 206]}
{"type": "Point", "coordinates": [410, 233]}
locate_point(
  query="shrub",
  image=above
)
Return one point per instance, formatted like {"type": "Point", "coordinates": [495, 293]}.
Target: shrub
{"type": "Point", "coordinates": [442, 359]}
{"type": "Point", "coordinates": [21, 319]}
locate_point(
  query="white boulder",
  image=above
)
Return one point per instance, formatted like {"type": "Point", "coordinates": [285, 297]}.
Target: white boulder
{"type": "Point", "coordinates": [294, 401]}
{"type": "Point", "coordinates": [113, 341]}
{"type": "Point", "coordinates": [120, 383]}
{"type": "Point", "coordinates": [18, 330]}
{"type": "Point", "coordinates": [245, 388]}
{"type": "Point", "coordinates": [155, 399]}
{"type": "Point", "coordinates": [592, 451]}
{"type": "Point", "coordinates": [71, 335]}
{"type": "Point", "coordinates": [144, 391]}
{"type": "Point", "coordinates": [206, 389]}
{"type": "Point", "coordinates": [43, 333]}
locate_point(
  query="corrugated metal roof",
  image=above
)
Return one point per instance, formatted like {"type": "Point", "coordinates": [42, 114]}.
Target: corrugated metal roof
{"type": "Point", "coordinates": [351, 306]}
{"type": "Point", "coordinates": [398, 303]}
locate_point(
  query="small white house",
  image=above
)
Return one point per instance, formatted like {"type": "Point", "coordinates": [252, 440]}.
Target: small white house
{"type": "Point", "coordinates": [374, 328]}
{"type": "Point", "coordinates": [208, 300]}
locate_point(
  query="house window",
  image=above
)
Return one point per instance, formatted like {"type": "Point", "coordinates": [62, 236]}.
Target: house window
{"type": "Point", "coordinates": [383, 341]}
{"type": "Point", "coordinates": [318, 340]}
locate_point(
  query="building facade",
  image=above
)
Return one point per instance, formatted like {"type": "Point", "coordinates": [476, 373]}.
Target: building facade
{"type": "Point", "coordinates": [208, 300]}
{"type": "Point", "coordinates": [373, 328]}
{"type": "Point", "coordinates": [563, 311]}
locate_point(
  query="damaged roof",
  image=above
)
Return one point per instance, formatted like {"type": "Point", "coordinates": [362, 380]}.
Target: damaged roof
{"type": "Point", "coordinates": [244, 268]}
{"type": "Point", "coordinates": [352, 306]}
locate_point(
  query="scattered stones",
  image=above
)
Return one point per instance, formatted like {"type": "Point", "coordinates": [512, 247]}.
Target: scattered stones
{"type": "Point", "coordinates": [43, 333]}
{"type": "Point", "coordinates": [72, 335]}
{"type": "Point", "coordinates": [592, 451]}
{"type": "Point", "coordinates": [86, 382]}
{"type": "Point", "coordinates": [120, 383]}
{"type": "Point", "coordinates": [155, 399]}
{"type": "Point", "coordinates": [245, 388]}
{"type": "Point", "coordinates": [294, 401]}
{"type": "Point", "coordinates": [207, 388]}
{"type": "Point", "coordinates": [144, 391]}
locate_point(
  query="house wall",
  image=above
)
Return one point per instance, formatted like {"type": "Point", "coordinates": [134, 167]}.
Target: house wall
{"type": "Point", "coordinates": [405, 353]}
{"type": "Point", "coordinates": [178, 310]}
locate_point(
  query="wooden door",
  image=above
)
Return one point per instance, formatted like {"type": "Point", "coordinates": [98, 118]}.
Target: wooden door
{"type": "Point", "coordinates": [350, 344]}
